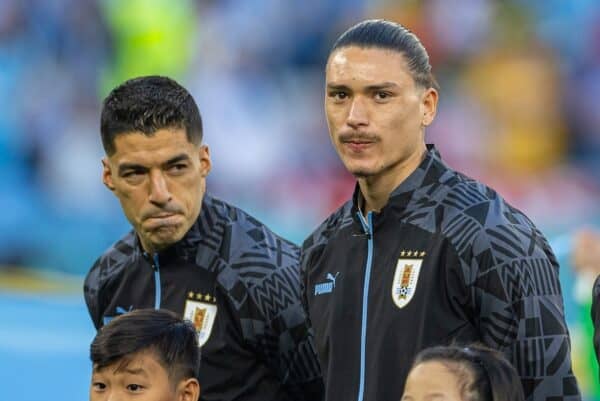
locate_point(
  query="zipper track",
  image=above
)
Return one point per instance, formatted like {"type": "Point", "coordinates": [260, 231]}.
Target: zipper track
{"type": "Point", "coordinates": [156, 281]}
{"type": "Point", "coordinates": [368, 228]}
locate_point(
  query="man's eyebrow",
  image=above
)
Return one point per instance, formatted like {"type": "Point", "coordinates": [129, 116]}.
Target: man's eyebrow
{"type": "Point", "coordinates": [130, 166]}
{"type": "Point", "coordinates": [378, 86]}
{"type": "Point", "coordinates": [383, 85]}
{"type": "Point", "coordinates": [337, 86]}
{"type": "Point", "coordinates": [135, 166]}
{"type": "Point", "coordinates": [179, 158]}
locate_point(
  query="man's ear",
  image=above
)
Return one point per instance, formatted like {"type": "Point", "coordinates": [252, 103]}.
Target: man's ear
{"type": "Point", "coordinates": [430, 101]}
{"type": "Point", "coordinates": [188, 390]}
{"type": "Point", "coordinates": [205, 162]}
{"type": "Point", "coordinates": [107, 178]}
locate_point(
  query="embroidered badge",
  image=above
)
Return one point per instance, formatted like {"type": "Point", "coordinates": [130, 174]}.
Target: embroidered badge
{"type": "Point", "coordinates": [202, 315]}
{"type": "Point", "coordinates": [405, 279]}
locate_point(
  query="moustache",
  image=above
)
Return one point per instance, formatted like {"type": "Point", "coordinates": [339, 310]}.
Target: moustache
{"type": "Point", "coordinates": [357, 137]}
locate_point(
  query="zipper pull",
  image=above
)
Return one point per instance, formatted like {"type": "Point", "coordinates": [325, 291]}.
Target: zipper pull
{"type": "Point", "coordinates": [366, 226]}
{"type": "Point", "coordinates": [362, 234]}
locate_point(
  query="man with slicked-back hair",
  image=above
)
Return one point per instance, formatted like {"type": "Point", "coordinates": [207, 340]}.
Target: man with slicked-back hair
{"type": "Point", "coordinates": [421, 255]}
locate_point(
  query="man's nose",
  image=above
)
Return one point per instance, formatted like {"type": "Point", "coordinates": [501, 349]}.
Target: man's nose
{"type": "Point", "coordinates": [358, 114]}
{"type": "Point", "coordinates": [159, 190]}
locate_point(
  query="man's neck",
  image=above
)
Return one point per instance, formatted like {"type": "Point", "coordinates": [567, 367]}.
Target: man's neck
{"type": "Point", "coordinates": [376, 190]}
{"type": "Point", "coordinates": [146, 248]}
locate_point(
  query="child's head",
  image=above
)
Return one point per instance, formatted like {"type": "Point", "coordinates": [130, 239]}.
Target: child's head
{"type": "Point", "coordinates": [148, 354]}
{"type": "Point", "coordinates": [473, 373]}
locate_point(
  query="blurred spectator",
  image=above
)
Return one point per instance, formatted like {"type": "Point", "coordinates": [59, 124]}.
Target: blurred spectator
{"type": "Point", "coordinates": [583, 248]}
{"type": "Point", "coordinates": [586, 252]}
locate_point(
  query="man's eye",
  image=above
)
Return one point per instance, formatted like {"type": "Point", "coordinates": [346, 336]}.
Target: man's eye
{"type": "Point", "coordinates": [338, 95]}
{"type": "Point", "coordinates": [178, 167]}
{"type": "Point", "coordinates": [98, 386]}
{"type": "Point", "coordinates": [134, 387]}
{"type": "Point", "coordinates": [382, 95]}
{"type": "Point", "coordinates": [132, 173]}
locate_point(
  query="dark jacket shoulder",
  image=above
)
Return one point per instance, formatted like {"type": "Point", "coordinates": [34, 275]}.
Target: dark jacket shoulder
{"type": "Point", "coordinates": [332, 225]}
{"type": "Point", "coordinates": [256, 262]}
{"type": "Point", "coordinates": [107, 267]}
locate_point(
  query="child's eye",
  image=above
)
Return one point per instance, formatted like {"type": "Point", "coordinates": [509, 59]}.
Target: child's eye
{"type": "Point", "coordinates": [134, 387]}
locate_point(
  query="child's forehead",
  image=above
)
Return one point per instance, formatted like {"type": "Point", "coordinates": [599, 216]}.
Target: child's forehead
{"type": "Point", "coordinates": [141, 362]}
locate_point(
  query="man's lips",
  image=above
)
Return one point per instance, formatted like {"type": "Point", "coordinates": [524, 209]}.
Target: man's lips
{"type": "Point", "coordinates": [161, 220]}
{"type": "Point", "coordinates": [358, 144]}
{"type": "Point", "coordinates": [160, 215]}
{"type": "Point", "coordinates": [357, 138]}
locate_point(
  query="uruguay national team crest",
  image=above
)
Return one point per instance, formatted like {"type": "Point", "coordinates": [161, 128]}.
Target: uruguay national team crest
{"type": "Point", "coordinates": [202, 315]}
{"type": "Point", "coordinates": [405, 280]}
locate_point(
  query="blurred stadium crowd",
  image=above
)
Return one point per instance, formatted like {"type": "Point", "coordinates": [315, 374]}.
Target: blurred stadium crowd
{"type": "Point", "coordinates": [520, 89]}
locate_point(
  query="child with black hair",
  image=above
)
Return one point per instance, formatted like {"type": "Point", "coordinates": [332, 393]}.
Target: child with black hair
{"type": "Point", "coordinates": [453, 373]}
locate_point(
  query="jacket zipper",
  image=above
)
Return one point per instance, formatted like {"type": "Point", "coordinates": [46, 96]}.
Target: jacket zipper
{"type": "Point", "coordinates": [368, 229]}
{"type": "Point", "coordinates": [156, 267]}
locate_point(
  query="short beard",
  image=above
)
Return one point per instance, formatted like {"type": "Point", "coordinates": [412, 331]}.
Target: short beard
{"type": "Point", "coordinates": [363, 174]}
{"type": "Point", "coordinates": [368, 172]}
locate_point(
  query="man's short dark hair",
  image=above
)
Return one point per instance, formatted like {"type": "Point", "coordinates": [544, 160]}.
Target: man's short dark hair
{"type": "Point", "coordinates": [173, 341]}
{"type": "Point", "coordinates": [484, 374]}
{"type": "Point", "coordinates": [377, 33]}
{"type": "Point", "coordinates": [146, 105]}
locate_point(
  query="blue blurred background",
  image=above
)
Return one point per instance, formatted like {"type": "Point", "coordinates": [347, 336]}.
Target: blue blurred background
{"type": "Point", "coordinates": [519, 110]}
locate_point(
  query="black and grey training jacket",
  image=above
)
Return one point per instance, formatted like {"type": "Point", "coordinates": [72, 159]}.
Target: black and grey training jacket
{"type": "Point", "coordinates": [447, 260]}
{"type": "Point", "coordinates": [239, 284]}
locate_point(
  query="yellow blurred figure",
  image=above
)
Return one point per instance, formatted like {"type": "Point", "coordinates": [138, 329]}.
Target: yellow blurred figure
{"type": "Point", "coordinates": [519, 90]}
{"type": "Point", "coordinates": [149, 37]}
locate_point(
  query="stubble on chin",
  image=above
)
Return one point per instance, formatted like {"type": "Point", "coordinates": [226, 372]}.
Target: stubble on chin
{"type": "Point", "coordinates": [362, 171]}
{"type": "Point", "coordinates": [163, 237]}
{"type": "Point", "coordinates": [362, 174]}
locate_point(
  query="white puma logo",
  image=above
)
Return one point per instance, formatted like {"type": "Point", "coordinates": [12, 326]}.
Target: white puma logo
{"type": "Point", "coordinates": [326, 288]}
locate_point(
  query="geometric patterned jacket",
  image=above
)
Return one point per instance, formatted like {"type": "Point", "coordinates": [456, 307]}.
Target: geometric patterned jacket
{"type": "Point", "coordinates": [447, 260]}
{"type": "Point", "coordinates": [239, 284]}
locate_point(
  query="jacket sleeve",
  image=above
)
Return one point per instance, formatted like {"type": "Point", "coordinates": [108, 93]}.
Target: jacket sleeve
{"type": "Point", "coordinates": [518, 306]}
{"type": "Point", "coordinates": [305, 266]}
{"type": "Point", "coordinates": [287, 343]}
{"type": "Point", "coordinates": [91, 293]}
